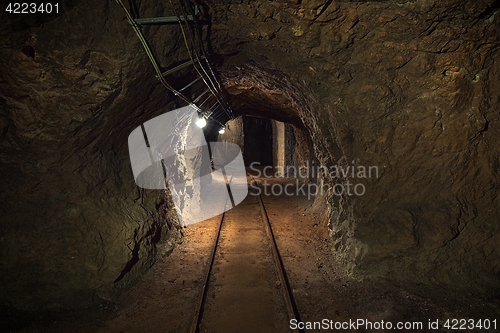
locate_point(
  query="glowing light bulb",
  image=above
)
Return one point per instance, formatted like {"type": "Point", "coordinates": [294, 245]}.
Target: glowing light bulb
{"type": "Point", "coordinates": [201, 122]}
{"type": "Point", "coordinates": [222, 130]}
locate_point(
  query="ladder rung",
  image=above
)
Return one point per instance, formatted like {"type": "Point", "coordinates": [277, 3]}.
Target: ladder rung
{"type": "Point", "coordinates": [179, 67]}
{"type": "Point", "coordinates": [212, 110]}
{"type": "Point", "coordinates": [166, 19]}
{"type": "Point", "coordinates": [160, 20]}
{"type": "Point", "coordinates": [199, 97]}
{"type": "Point", "coordinates": [206, 100]}
{"type": "Point", "coordinates": [217, 102]}
{"type": "Point", "coordinates": [190, 84]}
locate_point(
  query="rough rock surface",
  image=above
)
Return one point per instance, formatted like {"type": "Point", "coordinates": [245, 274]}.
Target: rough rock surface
{"type": "Point", "coordinates": [408, 86]}
{"type": "Point", "coordinates": [73, 220]}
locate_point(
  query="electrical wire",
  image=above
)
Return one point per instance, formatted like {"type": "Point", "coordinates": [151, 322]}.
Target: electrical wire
{"type": "Point", "coordinates": [214, 88]}
{"type": "Point", "coordinates": [200, 40]}
{"type": "Point", "coordinates": [216, 91]}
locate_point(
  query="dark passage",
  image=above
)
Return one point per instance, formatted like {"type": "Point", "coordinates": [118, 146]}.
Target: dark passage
{"type": "Point", "coordinates": [258, 144]}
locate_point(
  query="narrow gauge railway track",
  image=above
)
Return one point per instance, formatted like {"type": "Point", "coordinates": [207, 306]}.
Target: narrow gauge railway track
{"type": "Point", "coordinates": [245, 274]}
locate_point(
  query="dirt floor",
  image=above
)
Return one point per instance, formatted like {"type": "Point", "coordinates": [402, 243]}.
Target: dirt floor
{"type": "Point", "coordinates": [165, 299]}
{"type": "Point", "coordinates": [244, 293]}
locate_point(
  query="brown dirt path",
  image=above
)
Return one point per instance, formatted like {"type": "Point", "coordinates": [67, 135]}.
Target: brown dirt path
{"type": "Point", "coordinates": [164, 300]}
{"type": "Point", "coordinates": [245, 292]}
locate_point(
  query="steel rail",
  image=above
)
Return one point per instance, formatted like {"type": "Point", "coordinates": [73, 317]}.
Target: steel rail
{"type": "Point", "coordinates": [291, 306]}
{"type": "Point", "coordinates": [286, 290]}
{"type": "Point", "coordinates": [195, 325]}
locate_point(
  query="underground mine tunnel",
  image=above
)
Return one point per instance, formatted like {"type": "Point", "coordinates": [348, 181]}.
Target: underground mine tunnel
{"type": "Point", "coordinates": [387, 110]}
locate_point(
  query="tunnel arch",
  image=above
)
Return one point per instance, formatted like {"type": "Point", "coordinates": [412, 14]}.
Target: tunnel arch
{"type": "Point", "coordinates": [274, 95]}
{"type": "Point", "coordinates": [257, 92]}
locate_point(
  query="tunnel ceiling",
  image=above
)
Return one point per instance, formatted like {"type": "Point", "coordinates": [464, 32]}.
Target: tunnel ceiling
{"type": "Point", "coordinates": [254, 92]}
{"type": "Point", "coordinates": [411, 87]}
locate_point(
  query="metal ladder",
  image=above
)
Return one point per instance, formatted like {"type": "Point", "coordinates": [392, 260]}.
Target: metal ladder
{"type": "Point", "coordinates": [220, 111]}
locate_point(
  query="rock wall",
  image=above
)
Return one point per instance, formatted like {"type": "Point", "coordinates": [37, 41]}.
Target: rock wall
{"type": "Point", "coordinates": [72, 88]}
{"type": "Point", "coordinates": [410, 87]}
{"type": "Point", "coordinates": [233, 132]}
